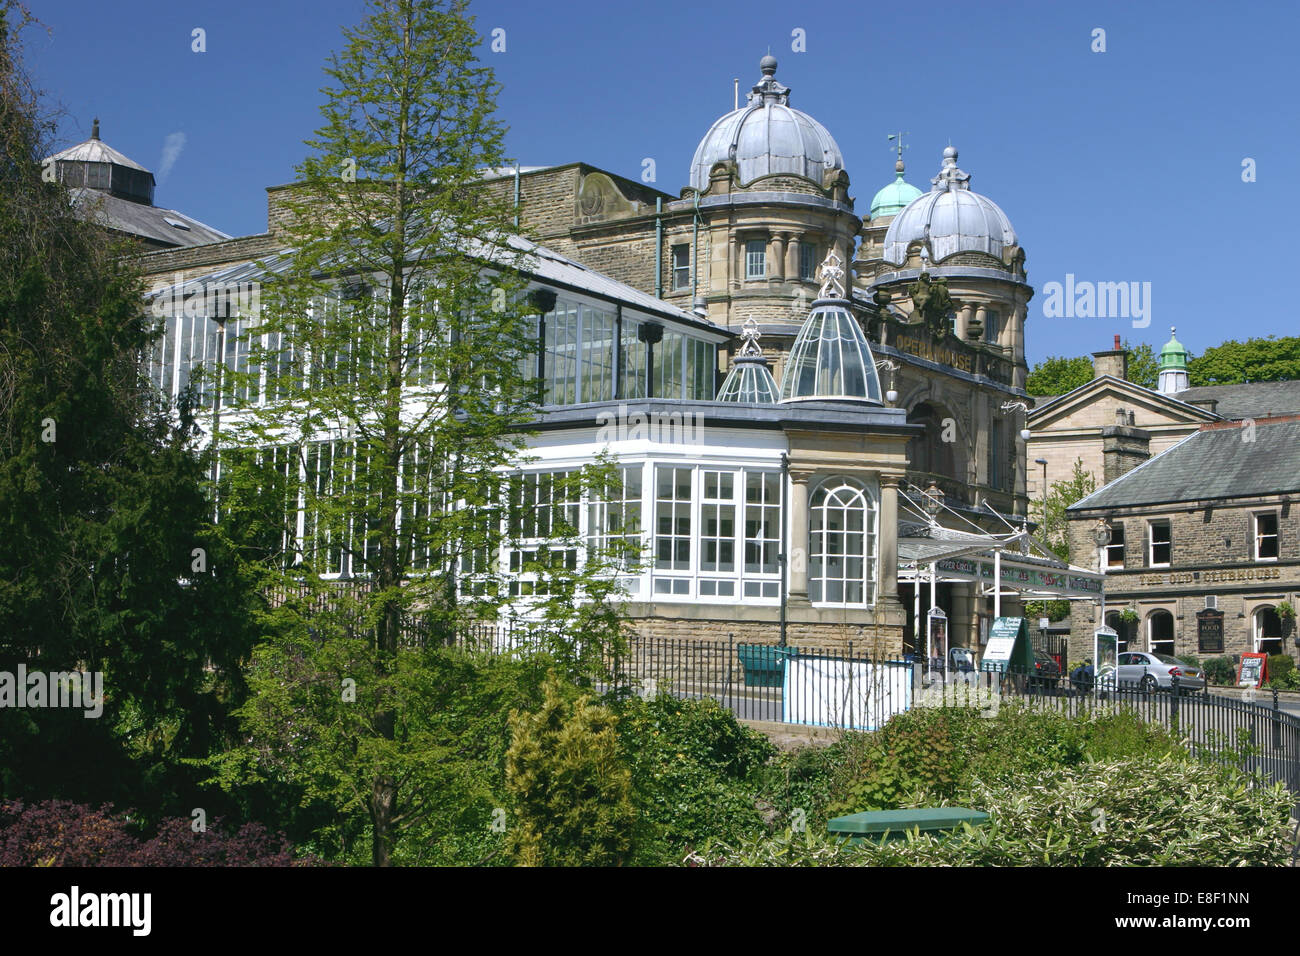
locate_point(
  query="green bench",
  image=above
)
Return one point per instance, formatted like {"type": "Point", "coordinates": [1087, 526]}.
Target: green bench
{"type": "Point", "coordinates": [895, 824]}
{"type": "Point", "coordinates": [764, 663]}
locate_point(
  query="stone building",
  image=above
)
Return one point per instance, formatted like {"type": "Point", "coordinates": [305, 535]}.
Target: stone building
{"type": "Point", "coordinates": [897, 339]}
{"type": "Point", "coordinates": [1081, 424]}
{"type": "Point", "coordinates": [1205, 543]}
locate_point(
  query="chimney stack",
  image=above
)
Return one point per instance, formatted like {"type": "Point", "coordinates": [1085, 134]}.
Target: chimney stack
{"type": "Point", "coordinates": [1123, 447]}
{"type": "Point", "coordinates": [1113, 362]}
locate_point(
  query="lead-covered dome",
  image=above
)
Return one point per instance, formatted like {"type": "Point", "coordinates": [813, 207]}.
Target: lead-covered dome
{"type": "Point", "coordinates": [830, 359]}
{"type": "Point", "coordinates": [766, 137]}
{"type": "Point", "coordinates": [950, 218]}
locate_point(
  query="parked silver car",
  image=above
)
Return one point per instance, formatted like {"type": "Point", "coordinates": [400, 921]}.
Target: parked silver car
{"type": "Point", "coordinates": [1150, 671]}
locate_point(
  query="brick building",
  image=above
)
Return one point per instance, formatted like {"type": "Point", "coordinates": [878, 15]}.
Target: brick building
{"type": "Point", "coordinates": [1205, 544]}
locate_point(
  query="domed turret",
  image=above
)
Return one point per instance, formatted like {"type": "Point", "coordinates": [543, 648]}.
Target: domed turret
{"type": "Point", "coordinates": [767, 137]}
{"type": "Point", "coordinates": [1173, 365]}
{"type": "Point", "coordinates": [895, 197]}
{"type": "Point", "coordinates": [749, 381]}
{"type": "Point", "coordinates": [830, 358]}
{"type": "Point", "coordinates": [951, 218]}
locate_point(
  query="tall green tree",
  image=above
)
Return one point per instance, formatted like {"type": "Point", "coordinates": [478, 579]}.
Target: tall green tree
{"type": "Point", "coordinates": [1053, 528]}
{"type": "Point", "coordinates": [390, 372]}
{"type": "Point", "coordinates": [108, 559]}
{"type": "Point", "coordinates": [1143, 369]}
{"type": "Point", "coordinates": [1057, 375]}
{"type": "Point", "coordinates": [1269, 359]}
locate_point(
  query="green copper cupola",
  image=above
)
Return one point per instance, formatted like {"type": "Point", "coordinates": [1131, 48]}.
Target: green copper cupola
{"type": "Point", "coordinates": [1173, 365]}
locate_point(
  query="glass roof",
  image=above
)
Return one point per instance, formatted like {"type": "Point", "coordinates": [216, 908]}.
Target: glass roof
{"type": "Point", "coordinates": [830, 359]}
{"type": "Point", "coordinates": [749, 381]}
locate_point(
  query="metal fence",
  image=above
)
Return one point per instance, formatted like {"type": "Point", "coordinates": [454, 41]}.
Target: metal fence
{"type": "Point", "coordinates": [851, 690]}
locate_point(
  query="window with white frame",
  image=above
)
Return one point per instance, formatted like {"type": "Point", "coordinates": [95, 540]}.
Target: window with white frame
{"type": "Point", "coordinates": [718, 522]}
{"type": "Point", "coordinates": [1159, 544]}
{"type": "Point", "coordinates": [673, 530]}
{"type": "Point", "coordinates": [614, 518]}
{"type": "Point", "coordinates": [842, 544]}
{"type": "Point", "coordinates": [762, 533]}
{"type": "Point", "coordinates": [756, 259]}
{"type": "Point", "coordinates": [1266, 539]}
{"type": "Point", "coordinates": [545, 506]}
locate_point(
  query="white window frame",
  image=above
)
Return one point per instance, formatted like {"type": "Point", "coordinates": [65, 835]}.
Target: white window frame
{"type": "Point", "coordinates": [871, 540]}
{"type": "Point", "coordinates": [1151, 542]}
{"type": "Point", "coordinates": [1257, 537]}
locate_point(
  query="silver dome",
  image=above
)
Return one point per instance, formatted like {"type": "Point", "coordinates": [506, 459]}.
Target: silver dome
{"type": "Point", "coordinates": [766, 137]}
{"type": "Point", "coordinates": [952, 217]}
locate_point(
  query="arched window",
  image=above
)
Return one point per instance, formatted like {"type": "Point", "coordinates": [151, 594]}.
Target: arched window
{"type": "Point", "coordinates": [1160, 632]}
{"type": "Point", "coordinates": [842, 544]}
{"type": "Point", "coordinates": [1268, 631]}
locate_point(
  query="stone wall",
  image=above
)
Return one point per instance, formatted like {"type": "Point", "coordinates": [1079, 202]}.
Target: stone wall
{"type": "Point", "coordinates": [1212, 555]}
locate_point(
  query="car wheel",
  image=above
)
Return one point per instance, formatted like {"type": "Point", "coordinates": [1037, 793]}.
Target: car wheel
{"type": "Point", "coordinates": [1149, 684]}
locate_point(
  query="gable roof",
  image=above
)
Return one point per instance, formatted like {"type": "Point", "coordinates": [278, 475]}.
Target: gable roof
{"type": "Point", "coordinates": [1228, 460]}
{"type": "Point", "coordinates": [1249, 400]}
{"type": "Point", "coordinates": [1061, 405]}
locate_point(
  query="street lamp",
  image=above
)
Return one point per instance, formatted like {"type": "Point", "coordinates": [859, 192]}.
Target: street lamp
{"type": "Point", "coordinates": [934, 499]}
{"type": "Point", "coordinates": [1101, 534]}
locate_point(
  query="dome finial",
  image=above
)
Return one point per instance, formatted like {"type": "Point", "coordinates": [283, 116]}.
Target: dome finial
{"type": "Point", "coordinates": [94, 129]}
{"type": "Point", "coordinates": [768, 64]}
{"type": "Point", "coordinates": [749, 336]}
{"type": "Point", "coordinates": [950, 175]}
{"type": "Point", "coordinates": [832, 275]}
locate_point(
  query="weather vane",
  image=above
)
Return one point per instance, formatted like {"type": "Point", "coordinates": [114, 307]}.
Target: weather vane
{"type": "Point", "coordinates": [898, 146]}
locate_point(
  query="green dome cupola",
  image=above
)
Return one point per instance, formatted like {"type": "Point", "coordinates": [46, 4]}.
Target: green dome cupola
{"type": "Point", "coordinates": [894, 198]}
{"type": "Point", "coordinates": [1173, 365]}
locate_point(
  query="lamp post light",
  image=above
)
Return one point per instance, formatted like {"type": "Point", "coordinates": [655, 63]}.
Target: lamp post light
{"type": "Point", "coordinates": [934, 499]}
{"type": "Point", "coordinates": [1101, 534]}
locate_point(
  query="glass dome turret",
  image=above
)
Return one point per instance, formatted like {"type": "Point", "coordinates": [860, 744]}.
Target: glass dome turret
{"type": "Point", "coordinates": [830, 359]}
{"type": "Point", "coordinates": [749, 381]}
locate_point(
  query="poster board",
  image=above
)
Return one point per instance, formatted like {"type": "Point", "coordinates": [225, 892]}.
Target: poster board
{"type": "Point", "coordinates": [1008, 646]}
{"type": "Point", "coordinates": [938, 638]}
{"type": "Point", "coordinates": [1105, 657]}
{"type": "Point", "coordinates": [1253, 670]}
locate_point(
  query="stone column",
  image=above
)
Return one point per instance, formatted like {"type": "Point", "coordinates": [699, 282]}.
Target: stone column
{"type": "Point", "coordinates": [777, 251]}
{"type": "Point", "coordinates": [792, 240]}
{"type": "Point", "coordinates": [798, 543]}
{"type": "Point", "coordinates": [982, 315]}
{"type": "Point", "coordinates": [887, 538]}
{"type": "Point", "coordinates": [963, 313]}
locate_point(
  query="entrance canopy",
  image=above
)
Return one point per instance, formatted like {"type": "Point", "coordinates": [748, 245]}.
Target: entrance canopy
{"type": "Point", "coordinates": [929, 551]}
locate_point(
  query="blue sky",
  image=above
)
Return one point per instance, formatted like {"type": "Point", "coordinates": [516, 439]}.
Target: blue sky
{"type": "Point", "coordinates": [1122, 166]}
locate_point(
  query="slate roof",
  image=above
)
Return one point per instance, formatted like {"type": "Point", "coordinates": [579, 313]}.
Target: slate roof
{"type": "Point", "coordinates": [138, 219]}
{"type": "Point", "coordinates": [1217, 462]}
{"type": "Point", "coordinates": [1254, 400]}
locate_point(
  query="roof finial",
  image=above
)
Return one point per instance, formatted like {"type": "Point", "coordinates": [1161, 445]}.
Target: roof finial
{"type": "Point", "coordinates": [749, 336]}
{"type": "Point", "coordinates": [94, 129]}
{"type": "Point", "coordinates": [951, 176]}
{"type": "Point", "coordinates": [832, 276]}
